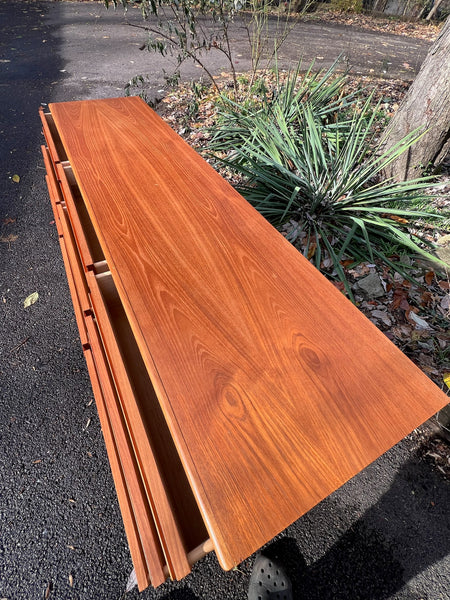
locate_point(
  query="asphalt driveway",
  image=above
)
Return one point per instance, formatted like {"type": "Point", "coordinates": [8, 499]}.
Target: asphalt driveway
{"type": "Point", "coordinates": [383, 536]}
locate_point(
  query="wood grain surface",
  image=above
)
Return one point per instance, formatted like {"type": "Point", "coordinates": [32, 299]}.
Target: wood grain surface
{"type": "Point", "coordinates": [275, 388]}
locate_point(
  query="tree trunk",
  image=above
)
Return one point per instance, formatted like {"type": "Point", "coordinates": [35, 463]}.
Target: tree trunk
{"type": "Point", "coordinates": [433, 10]}
{"type": "Point", "coordinates": [426, 105]}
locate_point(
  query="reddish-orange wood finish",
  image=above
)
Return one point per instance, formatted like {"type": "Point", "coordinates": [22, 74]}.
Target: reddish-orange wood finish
{"type": "Point", "coordinates": [163, 516]}
{"type": "Point", "coordinates": [77, 283]}
{"type": "Point", "coordinates": [77, 228]}
{"type": "Point", "coordinates": [129, 522]}
{"type": "Point", "coordinates": [55, 148]}
{"type": "Point", "coordinates": [133, 484]}
{"type": "Point", "coordinates": [74, 292]}
{"type": "Point", "coordinates": [74, 259]}
{"type": "Point", "coordinates": [275, 388]}
{"type": "Point", "coordinates": [54, 190]}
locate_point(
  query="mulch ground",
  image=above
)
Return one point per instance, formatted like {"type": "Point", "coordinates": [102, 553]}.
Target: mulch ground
{"type": "Point", "coordinates": [410, 28]}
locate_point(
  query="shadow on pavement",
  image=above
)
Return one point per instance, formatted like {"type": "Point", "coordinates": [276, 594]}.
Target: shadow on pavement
{"type": "Point", "coordinates": [403, 534]}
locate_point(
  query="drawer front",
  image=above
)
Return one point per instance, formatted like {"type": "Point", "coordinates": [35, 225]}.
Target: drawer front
{"type": "Point", "coordinates": [79, 314]}
{"type": "Point", "coordinates": [115, 341]}
{"type": "Point", "coordinates": [74, 260]}
{"type": "Point", "coordinates": [78, 229]}
{"type": "Point", "coordinates": [138, 502]}
{"type": "Point", "coordinates": [129, 522]}
{"type": "Point", "coordinates": [51, 135]}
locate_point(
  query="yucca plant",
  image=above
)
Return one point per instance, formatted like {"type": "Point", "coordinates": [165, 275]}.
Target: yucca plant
{"type": "Point", "coordinates": [326, 184]}
{"type": "Point", "coordinates": [323, 91]}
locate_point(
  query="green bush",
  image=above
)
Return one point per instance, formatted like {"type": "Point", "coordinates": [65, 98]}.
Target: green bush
{"type": "Point", "coordinates": [311, 166]}
{"type": "Point", "coordinates": [351, 6]}
{"type": "Point", "coordinates": [323, 91]}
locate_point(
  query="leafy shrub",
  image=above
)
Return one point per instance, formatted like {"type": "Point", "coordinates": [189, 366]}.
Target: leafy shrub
{"type": "Point", "coordinates": [190, 29]}
{"type": "Point", "coordinates": [351, 6]}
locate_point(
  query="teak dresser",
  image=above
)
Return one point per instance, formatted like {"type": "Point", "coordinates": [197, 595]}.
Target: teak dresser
{"type": "Point", "coordinates": [236, 387]}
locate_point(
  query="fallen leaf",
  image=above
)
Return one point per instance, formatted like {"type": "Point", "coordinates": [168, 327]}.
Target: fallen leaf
{"type": "Point", "coordinates": [447, 379]}
{"type": "Point", "coordinates": [327, 263]}
{"type": "Point", "coordinates": [426, 299]}
{"type": "Point", "coordinates": [48, 590]}
{"type": "Point", "coordinates": [339, 285]}
{"type": "Point", "coordinates": [382, 316]}
{"type": "Point", "coordinates": [445, 302]}
{"type": "Point", "coordinates": [132, 582]}
{"type": "Point", "coordinates": [429, 276]}
{"type": "Point", "coordinates": [311, 250]}
{"type": "Point", "coordinates": [420, 323]}
{"type": "Point", "coordinates": [31, 299]}
{"type": "Point", "coordinates": [400, 299]}
{"type": "Point", "coordinates": [7, 239]}
{"type": "Point", "coordinates": [396, 218]}
{"type": "Point", "coordinates": [8, 220]}
{"type": "Point", "coordinates": [444, 285]}
{"type": "Point", "coordinates": [420, 335]}
{"type": "Point", "coordinates": [15, 178]}
{"type": "Point", "coordinates": [347, 262]}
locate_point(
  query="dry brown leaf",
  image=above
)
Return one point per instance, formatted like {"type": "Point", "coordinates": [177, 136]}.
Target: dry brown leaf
{"type": "Point", "coordinates": [339, 285]}
{"type": "Point", "coordinates": [311, 250]}
{"type": "Point", "coordinates": [400, 299]}
{"type": "Point", "coordinates": [7, 239]}
{"type": "Point", "coordinates": [426, 299]}
{"type": "Point", "coordinates": [48, 590]}
{"type": "Point", "coordinates": [396, 218]}
{"type": "Point", "coordinates": [429, 276]}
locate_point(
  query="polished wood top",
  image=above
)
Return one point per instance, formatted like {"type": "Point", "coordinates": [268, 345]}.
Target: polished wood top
{"type": "Point", "coordinates": [275, 388]}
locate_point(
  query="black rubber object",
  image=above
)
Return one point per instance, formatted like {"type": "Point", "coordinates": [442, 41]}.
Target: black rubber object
{"type": "Point", "coordinates": [269, 581]}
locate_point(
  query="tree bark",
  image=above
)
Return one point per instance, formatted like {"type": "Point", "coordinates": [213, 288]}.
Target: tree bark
{"type": "Point", "coordinates": [426, 105]}
{"type": "Point", "coordinates": [434, 9]}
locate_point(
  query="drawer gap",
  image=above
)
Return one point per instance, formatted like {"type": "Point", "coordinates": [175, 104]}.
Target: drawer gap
{"type": "Point", "coordinates": [87, 240]}
{"type": "Point", "coordinates": [52, 138]}
{"type": "Point", "coordinates": [184, 506]}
